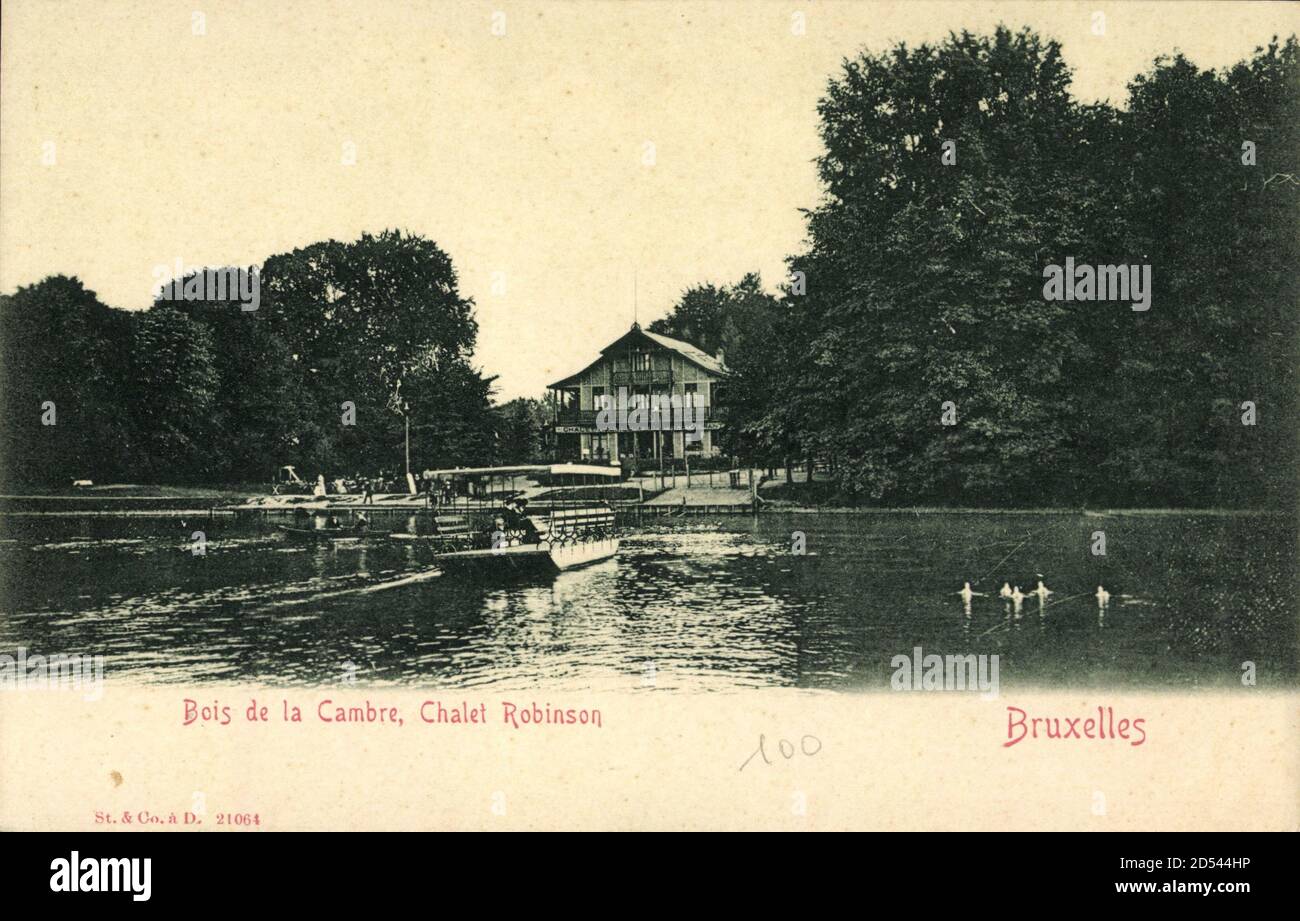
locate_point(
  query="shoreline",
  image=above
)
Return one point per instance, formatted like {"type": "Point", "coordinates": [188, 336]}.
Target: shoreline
{"type": "Point", "coordinates": [772, 509]}
{"type": "Point", "coordinates": [171, 505]}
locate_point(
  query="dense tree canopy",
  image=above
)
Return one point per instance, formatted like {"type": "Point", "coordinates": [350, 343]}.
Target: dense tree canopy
{"type": "Point", "coordinates": [521, 432]}
{"type": "Point", "coordinates": [380, 324]}
{"type": "Point", "coordinates": [953, 175]}
{"type": "Point", "coordinates": [698, 317]}
{"type": "Point", "coordinates": [62, 374]}
{"type": "Point", "coordinates": [200, 390]}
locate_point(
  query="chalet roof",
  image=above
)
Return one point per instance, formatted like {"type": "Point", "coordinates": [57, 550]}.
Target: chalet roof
{"type": "Point", "coordinates": [693, 354]}
{"type": "Point", "coordinates": [696, 356]}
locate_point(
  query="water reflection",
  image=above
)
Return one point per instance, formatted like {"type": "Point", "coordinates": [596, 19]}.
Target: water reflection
{"type": "Point", "coordinates": [688, 605]}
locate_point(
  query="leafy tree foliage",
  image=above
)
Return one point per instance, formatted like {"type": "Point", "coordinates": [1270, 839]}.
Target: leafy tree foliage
{"type": "Point", "coordinates": [60, 345]}
{"type": "Point", "coordinates": [521, 431]}
{"type": "Point", "coordinates": [200, 390]}
{"type": "Point", "coordinates": [699, 317]}
{"type": "Point", "coordinates": [953, 174]}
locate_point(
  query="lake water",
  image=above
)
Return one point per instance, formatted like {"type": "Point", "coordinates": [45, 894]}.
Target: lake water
{"type": "Point", "coordinates": [691, 603]}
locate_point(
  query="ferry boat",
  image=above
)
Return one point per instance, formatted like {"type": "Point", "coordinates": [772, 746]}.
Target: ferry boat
{"type": "Point", "coordinates": [558, 527]}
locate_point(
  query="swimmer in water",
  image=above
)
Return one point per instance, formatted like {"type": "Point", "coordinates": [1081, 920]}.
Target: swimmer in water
{"type": "Point", "coordinates": [1018, 596]}
{"type": "Point", "coordinates": [1103, 597]}
{"type": "Point", "coordinates": [1042, 591]}
{"type": "Point", "coordinates": [967, 594]}
{"type": "Point", "coordinates": [1005, 592]}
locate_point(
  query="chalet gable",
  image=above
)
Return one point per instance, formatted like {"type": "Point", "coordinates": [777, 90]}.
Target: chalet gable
{"type": "Point", "coordinates": [638, 339]}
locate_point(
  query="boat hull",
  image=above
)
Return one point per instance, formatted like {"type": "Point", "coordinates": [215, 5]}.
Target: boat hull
{"type": "Point", "coordinates": [582, 553]}
{"type": "Point", "coordinates": [545, 557]}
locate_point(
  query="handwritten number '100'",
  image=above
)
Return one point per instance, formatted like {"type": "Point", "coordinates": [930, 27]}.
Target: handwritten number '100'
{"type": "Point", "coordinates": [809, 745]}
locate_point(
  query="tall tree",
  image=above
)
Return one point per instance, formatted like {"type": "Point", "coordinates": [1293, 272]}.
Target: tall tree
{"type": "Point", "coordinates": [521, 431]}
{"type": "Point", "coordinates": [374, 323]}
{"type": "Point", "coordinates": [698, 317]}
{"type": "Point", "coordinates": [1212, 193]}
{"type": "Point", "coordinates": [61, 348]}
{"type": "Point", "coordinates": [953, 175]}
{"type": "Point", "coordinates": [171, 390]}
{"type": "Point", "coordinates": [260, 409]}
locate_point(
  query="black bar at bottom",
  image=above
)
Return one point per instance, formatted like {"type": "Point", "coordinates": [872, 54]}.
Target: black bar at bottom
{"type": "Point", "coordinates": [343, 871]}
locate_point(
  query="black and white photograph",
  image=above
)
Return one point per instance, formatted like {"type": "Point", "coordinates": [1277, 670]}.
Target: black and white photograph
{"type": "Point", "coordinates": [788, 388]}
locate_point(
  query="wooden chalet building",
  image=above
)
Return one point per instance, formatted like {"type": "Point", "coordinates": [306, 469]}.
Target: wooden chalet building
{"type": "Point", "coordinates": [640, 365]}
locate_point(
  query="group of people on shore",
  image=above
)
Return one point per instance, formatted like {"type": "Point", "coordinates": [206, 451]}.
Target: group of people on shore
{"type": "Point", "coordinates": [436, 490]}
{"type": "Point", "coordinates": [356, 484]}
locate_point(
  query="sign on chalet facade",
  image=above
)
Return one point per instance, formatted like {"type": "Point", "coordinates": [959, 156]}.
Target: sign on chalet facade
{"type": "Point", "coordinates": [644, 369]}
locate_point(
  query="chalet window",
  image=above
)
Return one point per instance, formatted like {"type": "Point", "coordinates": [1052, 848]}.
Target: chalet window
{"type": "Point", "coordinates": [640, 361]}
{"type": "Point", "coordinates": [690, 394]}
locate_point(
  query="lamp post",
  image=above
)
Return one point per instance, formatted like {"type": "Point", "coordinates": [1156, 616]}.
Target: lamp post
{"type": "Point", "coordinates": [398, 405]}
{"type": "Point", "coordinates": [406, 417]}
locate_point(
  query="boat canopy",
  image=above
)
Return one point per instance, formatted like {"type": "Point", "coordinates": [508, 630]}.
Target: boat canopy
{"type": "Point", "coordinates": [586, 470]}
{"type": "Point", "coordinates": [487, 471]}
{"type": "Point", "coordinates": [555, 469]}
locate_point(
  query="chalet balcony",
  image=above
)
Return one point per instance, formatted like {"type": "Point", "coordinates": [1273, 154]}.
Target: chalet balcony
{"type": "Point", "coordinates": [583, 417]}
{"type": "Point", "coordinates": [658, 377]}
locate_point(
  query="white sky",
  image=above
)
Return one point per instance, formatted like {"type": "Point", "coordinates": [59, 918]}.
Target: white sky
{"type": "Point", "coordinates": [519, 154]}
